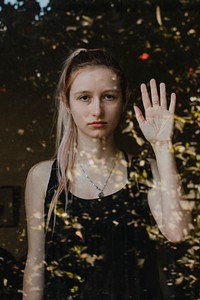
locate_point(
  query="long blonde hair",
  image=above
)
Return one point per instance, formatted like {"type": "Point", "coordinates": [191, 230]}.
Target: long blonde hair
{"type": "Point", "coordinates": [66, 136]}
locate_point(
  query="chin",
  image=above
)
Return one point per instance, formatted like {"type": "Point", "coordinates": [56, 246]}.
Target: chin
{"type": "Point", "coordinates": [97, 134]}
{"type": "Point", "coordinates": [102, 136]}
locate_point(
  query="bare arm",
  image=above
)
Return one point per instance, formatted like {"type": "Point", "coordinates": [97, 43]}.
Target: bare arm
{"type": "Point", "coordinates": [166, 195]}
{"type": "Point", "coordinates": [33, 282]}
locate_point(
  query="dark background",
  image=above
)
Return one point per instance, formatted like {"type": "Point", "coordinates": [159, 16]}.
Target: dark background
{"type": "Point", "coordinates": [155, 38]}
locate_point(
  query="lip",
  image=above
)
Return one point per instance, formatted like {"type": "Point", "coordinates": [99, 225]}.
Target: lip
{"type": "Point", "coordinates": [98, 124]}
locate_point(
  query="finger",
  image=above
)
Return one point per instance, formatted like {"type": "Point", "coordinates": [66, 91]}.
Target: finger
{"type": "Point", "coordinates": [172, 103]}
{"type": "Point", "coordinates": [138, 114]}
{"type": "Point", "coordinates": [154, 92]}
{"type": "Point", "coordinates": [163, 98]}
{"type": "Point", "coordinates": [145, 96]}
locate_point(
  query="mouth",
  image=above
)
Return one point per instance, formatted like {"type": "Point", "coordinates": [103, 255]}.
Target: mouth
{"type": "Point", "coordinates": [98, 124]}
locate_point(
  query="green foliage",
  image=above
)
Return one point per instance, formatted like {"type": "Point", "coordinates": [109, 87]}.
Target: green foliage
{"type": "Point", "coordinates": [150, 39]}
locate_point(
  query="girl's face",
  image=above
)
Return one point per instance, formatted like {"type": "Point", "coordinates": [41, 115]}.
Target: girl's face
{"type": "Point", "coordinates": [95, 102]}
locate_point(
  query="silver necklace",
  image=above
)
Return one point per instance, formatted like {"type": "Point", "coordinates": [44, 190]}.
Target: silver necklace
{"type": "Point", "coordinates": [101, 193]}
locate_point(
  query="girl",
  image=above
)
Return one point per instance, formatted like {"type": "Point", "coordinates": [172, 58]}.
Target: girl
{"type": "Point", "coordinates": [89, 207]}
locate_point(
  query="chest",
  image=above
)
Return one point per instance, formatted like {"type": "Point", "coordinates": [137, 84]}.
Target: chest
{"type": "Point", "coordinates": [88, 183]}
{"type": "Point", "coordinates": [124, 209]}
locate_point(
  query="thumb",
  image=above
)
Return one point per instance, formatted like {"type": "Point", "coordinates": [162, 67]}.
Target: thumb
{"type": "Point", "coordinates": [138, 114]}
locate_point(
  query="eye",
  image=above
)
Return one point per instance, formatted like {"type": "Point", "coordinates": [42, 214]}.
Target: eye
{"type": "Point", "coordinates": [109, 97]}
{"type": "Point", "coordinates": [84, 98]}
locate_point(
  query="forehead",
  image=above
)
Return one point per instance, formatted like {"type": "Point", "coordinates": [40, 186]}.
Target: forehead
{"type": "Point", "coordinates": [93, 76]}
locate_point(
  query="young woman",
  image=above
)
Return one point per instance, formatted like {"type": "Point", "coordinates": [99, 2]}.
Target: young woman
{"type": "Point", "coordinates": [88, 209]}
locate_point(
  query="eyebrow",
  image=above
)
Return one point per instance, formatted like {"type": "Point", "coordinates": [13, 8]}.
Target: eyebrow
{"type": "Point", "coordinates": [106, 91]}
{"type": "Point", "coordinates": [81, 92]}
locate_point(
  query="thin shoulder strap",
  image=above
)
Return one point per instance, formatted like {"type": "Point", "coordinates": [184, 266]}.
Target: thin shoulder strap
{"type": "Point", "coordinates": [128, 163]}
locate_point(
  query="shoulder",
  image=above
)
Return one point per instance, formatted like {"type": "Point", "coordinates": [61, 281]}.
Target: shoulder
{"type": "Point", "coordinates": [38, 178]}
{"type": "Point", "coordinates": [41, 169]}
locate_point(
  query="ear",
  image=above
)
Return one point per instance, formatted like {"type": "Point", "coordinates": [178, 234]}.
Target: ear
{"type": "Point", "coordinates": [68, 109]}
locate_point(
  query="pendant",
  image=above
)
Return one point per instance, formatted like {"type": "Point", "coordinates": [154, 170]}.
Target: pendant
{"type": "Point", "coordinates": [101, 195]}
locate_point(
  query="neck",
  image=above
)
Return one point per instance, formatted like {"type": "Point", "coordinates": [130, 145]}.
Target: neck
{"type": "Point", "coordinates": [96, 150]}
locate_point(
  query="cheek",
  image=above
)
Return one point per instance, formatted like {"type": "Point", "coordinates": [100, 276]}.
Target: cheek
{"type": "Point", "coordinates": [118, 111]}
{"type": "Point", "coordinates": [75, 116]}
{"type": "Point", "coordinates": [78, 114]}
{"type": "Point", "coordinates": [116, 115]}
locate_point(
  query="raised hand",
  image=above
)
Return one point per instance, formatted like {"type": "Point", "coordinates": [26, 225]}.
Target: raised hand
{"type": "Point", "coordinates": [158, 123]}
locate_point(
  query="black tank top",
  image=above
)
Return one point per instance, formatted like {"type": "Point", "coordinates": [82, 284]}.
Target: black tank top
{"type": "Point", "coordinates": [100, 248]}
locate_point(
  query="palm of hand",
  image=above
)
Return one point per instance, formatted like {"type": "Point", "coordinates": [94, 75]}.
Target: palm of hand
{"type": "Point", "coordinates": [157, 126]}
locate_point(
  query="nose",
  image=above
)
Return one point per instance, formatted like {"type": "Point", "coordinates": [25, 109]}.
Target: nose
{"type": "Point", "coordinates": [97, 108]}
